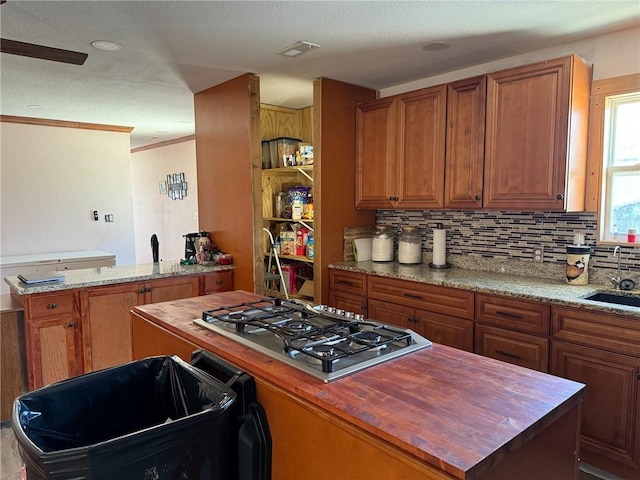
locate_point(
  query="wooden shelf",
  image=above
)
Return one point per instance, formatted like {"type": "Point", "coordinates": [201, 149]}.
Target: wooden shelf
{"type": "Point", "coordinates": [298, 258]}
{"type": "Point", "coordinates": [278, 219]}
{"type": "Point", "coordinates": [288, 170]}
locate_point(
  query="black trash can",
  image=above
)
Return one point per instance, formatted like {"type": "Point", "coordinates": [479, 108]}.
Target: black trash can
{"type": "Point", "coordinates": [154, 419]}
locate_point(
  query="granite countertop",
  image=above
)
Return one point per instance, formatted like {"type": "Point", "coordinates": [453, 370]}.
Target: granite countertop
{"type": "Point", "coordinates": [556, 292]}
{"type": "Point", "coordinates": [92, 277]}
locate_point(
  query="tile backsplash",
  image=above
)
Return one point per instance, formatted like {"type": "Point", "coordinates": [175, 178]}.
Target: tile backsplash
{"type": "Point", "coordinates": [504, 241]}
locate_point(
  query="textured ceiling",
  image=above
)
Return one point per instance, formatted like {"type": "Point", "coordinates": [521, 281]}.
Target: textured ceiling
{"type": "Point", "coordinates": [173, 49]}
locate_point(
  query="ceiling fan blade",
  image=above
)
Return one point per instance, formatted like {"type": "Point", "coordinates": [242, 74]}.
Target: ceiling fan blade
{"type": "Point", "coordinates": [39, 51]}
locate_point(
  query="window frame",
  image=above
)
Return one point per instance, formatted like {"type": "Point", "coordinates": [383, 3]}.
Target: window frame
{"type": "Point", "coordinates": [600, 90]}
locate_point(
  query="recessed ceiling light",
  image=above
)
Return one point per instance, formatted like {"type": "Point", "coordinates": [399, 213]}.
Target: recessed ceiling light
{"type": "Point", "coordinates": [161, 131]}
{"type": "Point", "coordinates": [435, 46]}
{"type": "Point", "coordinates": [297, 49]}
{"type": "Point", "coordinates": [185, 121]}
{"type": "Point", "coordinates": [106, 45]}
{"type": "Point", "coordinates": [34, 106]}
{"type": "Point", "coordinates": [151, 138]}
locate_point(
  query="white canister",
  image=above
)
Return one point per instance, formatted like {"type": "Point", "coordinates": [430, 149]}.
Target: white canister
{"type": "Point", "coordinates": [410, 245]}
{"type": "Point", "coordinates": [382, 244]}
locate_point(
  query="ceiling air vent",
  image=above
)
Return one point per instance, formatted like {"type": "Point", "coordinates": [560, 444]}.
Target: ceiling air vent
{"type": "Point", "coordinates": [297, 49]}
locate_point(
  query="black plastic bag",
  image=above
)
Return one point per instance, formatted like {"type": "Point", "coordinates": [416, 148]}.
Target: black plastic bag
{"type": "Point", "coordinates": [154, 419]}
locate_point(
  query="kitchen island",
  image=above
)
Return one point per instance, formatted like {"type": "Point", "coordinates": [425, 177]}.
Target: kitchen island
{"type": "Point", "coordinates": [437, 413]}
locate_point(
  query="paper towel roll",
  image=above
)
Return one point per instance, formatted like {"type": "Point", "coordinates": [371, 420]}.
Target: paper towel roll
{"type": "Point", "coordinates": [439, 247]}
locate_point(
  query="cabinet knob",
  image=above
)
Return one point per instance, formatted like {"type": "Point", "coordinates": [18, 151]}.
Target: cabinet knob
{"type": "Point", "coordinates": [70, 324]}
{"type": "Point", "coordinates": [560, 196]}
{"type": "Point", "coordinates": [219, 282]}
{"type": "Point", "coordinates": [142, 290]}
{"type": "Point", "coordinates": [477, 198]}
{"type": "Point", "coordinates": [52, 305]}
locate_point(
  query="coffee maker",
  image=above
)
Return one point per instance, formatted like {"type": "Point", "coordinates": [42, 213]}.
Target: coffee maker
{"type": "Point", "coordinates": [191, 244]}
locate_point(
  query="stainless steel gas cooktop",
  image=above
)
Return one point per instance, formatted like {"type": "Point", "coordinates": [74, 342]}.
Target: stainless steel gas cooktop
{"type": "Point", "coordinates": [319, 340]}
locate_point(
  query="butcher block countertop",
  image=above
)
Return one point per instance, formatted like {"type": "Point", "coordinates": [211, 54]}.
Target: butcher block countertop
{"type": "Point", "coordinates": [457, 411]}
{"type": "Point", "coordinates": [93, 277]}
{"type": "Point", "coordinates": [550, 290]}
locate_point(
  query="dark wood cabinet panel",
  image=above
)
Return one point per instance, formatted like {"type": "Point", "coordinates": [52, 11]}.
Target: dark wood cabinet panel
{"type": "Point", "coordinates": [512, 347]}
{"type": "Point", "coordinates": [400, 150]}
{"type": "Point", "coordinates": [611, 410]}
{"type": "Point", "coordinates": [391, 313]}
{"type": "Point", "coordinates": [464, 162]}
{"type": "Point", "coordinates": [217, 282]}
{"type": "Point", "coordinates": [536, 127]}
{"type": "Point", "coordinates": [349, 303]}
{"type": "Point", "coordinates": [348, 282]}
{"type": "Point", "coordinates": [375, 153]}
{"type": "Point", "coordinates": [513, 314]}
{"type": "Point", "coordinates": [444, 329]}
{"type": "Point", "coordinates": [448, 301]}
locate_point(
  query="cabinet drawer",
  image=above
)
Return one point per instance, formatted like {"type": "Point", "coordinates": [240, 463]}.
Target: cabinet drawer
{"type": "Point", "coordinates": [56, 304]}
{"type": "Point", "coordinates": [217, 282]}
{"type": "Point", "coordinates": [448, 301]}
{"type": "Point", "coordinates": [518, 315]}
{"type": "Point", "coordinates": [348, 282]}
{"type": "Point", "coordinates": [347, 302]}
{"type": "Point", "coordinates": [611, 332]}
{"type": "Point", "coordinates": [512, 347]}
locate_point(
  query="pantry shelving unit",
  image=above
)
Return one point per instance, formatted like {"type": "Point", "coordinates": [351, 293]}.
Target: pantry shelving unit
{"type": "Point", "coordinates": [276, 180]}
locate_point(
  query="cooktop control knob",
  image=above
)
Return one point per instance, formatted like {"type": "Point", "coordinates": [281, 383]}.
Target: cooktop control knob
{"type": "Point", "coordinates": [322, 308]}
{"type": "Point", "coordinates": [359, 317]}
{"type": "Point", "coordinates": [339, 311]}
{"type": "Point", "coordinates": [331, 309]}
{"type": "Point", "coordinates": [349, 314]}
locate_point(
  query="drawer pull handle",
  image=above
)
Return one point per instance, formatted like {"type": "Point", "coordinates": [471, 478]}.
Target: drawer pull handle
{"type": "Point", "coordinates": [508, 314]}
{"type": "Point", "coordinates": [70, 324]}
{"type": "Point", "coordinates": [219, 282]}
{"type": "Point", "coordinates": [344, 282]}
{"type": "Point", "coordinates": [142, 290]}
{"type": "Point", "coordinates": [507, 354]}
{"type": "Point", "coordinates": [412, 295]}
{"type": "Point", "coordinates": [52, 306]}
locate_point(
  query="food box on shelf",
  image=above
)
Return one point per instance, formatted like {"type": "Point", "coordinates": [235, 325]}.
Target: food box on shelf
{"type": "Point", "coordinates": [282, 147]}
{"type": "Point", "coordinates": [289, 274]}
{"type": "Point", "coordinates": [287, 243]}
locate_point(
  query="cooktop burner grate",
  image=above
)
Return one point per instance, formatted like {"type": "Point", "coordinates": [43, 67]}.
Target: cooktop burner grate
{"type": "Point", "coordinates": [313, 339]}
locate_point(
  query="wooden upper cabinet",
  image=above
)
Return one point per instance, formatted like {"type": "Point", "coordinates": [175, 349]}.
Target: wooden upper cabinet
{"type": "Point", "coordinates": [536, 127]}
{"type": "Point", "coordinates": [400, 150]}
{"type": "Point", "coordinates": [375, 152]}
{"type": "Point", "coordinates": [466, 100]}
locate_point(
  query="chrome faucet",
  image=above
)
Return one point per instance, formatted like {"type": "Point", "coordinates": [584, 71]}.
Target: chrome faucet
{"type": "Point", "coordinates": [616, 279]}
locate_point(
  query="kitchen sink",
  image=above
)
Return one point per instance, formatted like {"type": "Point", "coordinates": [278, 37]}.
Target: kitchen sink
{"type": "Point", "coordinates": [614, 298]}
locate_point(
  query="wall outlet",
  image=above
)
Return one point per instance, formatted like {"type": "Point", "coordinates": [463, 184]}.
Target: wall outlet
{"type": "Point", "coordinates": [538, 254]}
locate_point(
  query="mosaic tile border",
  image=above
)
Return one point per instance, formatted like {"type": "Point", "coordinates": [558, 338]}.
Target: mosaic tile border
{"type": "Point", "coordinates": [504, 241]}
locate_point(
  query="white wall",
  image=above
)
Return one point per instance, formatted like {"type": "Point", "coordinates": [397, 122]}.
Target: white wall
{"type": "Point", "coordinates": [612, 55]}
{"type": "Point", "coordinates": [158, 214]}
{"type": "Point", "coordinates": [52, 178]}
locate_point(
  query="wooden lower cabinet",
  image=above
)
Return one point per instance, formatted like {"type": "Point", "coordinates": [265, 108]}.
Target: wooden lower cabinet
{"type": "Point", "coordinates": [107, 321]}
{"type": "Point", "coordinates": [87, 329]}
{"type": "Point", "coordinates": [150, 340]}
{"type": "Point", "coordinates": [512, 347]}
{"type": "Point", "coordinates": [611, 410]}
{"type": "Point", "coordinates": [443, 329]}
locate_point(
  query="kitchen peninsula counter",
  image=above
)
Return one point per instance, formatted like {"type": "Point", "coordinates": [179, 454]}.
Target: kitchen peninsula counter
{"type": "Point", "coordinates": [94, 277]}
{"type": "Point", "coordinates": [552, 291]}
{"type": "Point", "coordinates": [437, 413]}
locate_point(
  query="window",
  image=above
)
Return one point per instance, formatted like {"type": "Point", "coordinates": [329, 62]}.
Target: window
{"type": "Point", "coordinates": [617, 117]}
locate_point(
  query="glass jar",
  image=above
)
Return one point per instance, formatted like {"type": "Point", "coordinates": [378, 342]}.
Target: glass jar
{"type": "Point", "coordinates": [382, 244]}
{"type": "Point", "coordinates": [410, 245]}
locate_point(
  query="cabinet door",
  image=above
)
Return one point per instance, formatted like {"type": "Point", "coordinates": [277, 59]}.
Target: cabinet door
{"type": "Point", "coordinates": [375, 153]}
{"type": "Point", "coordinates": [420, 157]}
{"type": "Point", "coordinates": [610, 431]}
{"type": "Point", "coordinates": [107, 324]}
{"type": "Point", "coordinates": [353, 283]}
{"type": "Point", "coordinates": [444, 329]}
{"type": "Point", "coordinates": [348, 302]}
{"type": "Point", "coordinates": [167, 289]}
{"type": "Point", "coordinates": [528, 118]}
{"type": "Point", "coordinates": [464, 163]}
{"type": "Point", "coordinates": [56, 350]}
{"type": "Point", "coordinates": [391, 313]}
{"type": "Point", "coordinates": [217, 282]}
{"type": "Point", "coordinates": [512, 347]}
